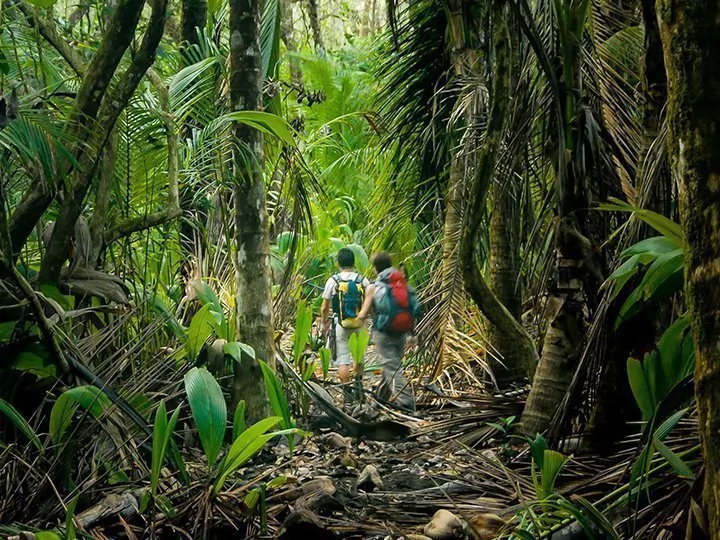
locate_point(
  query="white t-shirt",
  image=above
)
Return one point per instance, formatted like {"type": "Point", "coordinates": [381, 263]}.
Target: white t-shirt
{"type": "Point", "coordinates": [331, 284]}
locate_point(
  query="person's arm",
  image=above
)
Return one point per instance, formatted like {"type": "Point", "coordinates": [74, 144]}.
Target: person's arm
{"type": "Point", "coordinates": [367, 304]}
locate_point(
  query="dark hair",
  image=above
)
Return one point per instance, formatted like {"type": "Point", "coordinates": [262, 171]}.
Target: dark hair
{"type": "Point", "coordinates": [382, 261]}
{"type": "Point", "coordinates": [346, 258]}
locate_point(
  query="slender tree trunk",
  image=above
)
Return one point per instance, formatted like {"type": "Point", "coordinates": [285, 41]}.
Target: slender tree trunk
{"type": "Point", "coordinates": [193, 19]}
{"type": "Point", "coordinates": [253, 271]}
{"type": "Point", "coordinates": [506, 331]}
{"type": "Point", "coordinates": [287, 33]}
{"type": "Point", "coordinates": [561, 345]}
{"type": "Point", "coordinates": [313, 15]}
{"type": "Point", "coordinates": [690, 32]}
{"type": "Point", "coordinates": [509, 366]}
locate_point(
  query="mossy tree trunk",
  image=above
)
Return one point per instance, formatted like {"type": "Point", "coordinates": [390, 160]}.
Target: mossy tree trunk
{"type": "Point", "coordinates": [690, 32]}
{"type": "Point", "coordinates": [252, 244]}
{"type": "Point", "coordinates": [498, 301]}
{"type": "Point", "coordinates": [508, 363]}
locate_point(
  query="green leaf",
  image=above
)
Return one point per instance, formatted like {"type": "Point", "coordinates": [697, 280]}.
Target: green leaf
{"type": "Point", "coordinates": [43, 3]}
{"type": "Point", "coordinates": [268, 123]}
{"type": "Point", "coordinates": [537, 449]}
{"type": "Point", "coordinates": [47, 535]}
{"type": "Point", "coordinates": [357, 343]}
{"type": "Point", "coordinates": [553, 462]}
{"type": "Point", "coordinates": [69, 515]}
{"type": "Point", "coordinates": [244, 447]}
{"type": "Point", "coordinates": [668, 425]}
{"type": "Point", "coordinates": [670, 348]}
{"type": "Point", "coordinates": [277, 398]}
{"type": "Point", "coordinates": [207, 295]}
{"type": "Point", "coordinates": [35, 359]}
{"type": "Point", "coordinates": [640, 388]}
{"type": "Point", "coordinates": [19, 422]}
{"type": "Point", "coordinates": [239, 419]}
{"type": "Point", "coordinates": [88, 397]}
{"type": "Point", "coordinates": [6, 331]}
{"type": "Point", "coordinates": [523, 534]}
{"type": "Point", "coordinates": [207, 404]}
{"type": "Point", "coordinates": [53, 293]}
{"type": "Point", "coordinates": [598, 517]}
{"type": "Point", "coordinates": [201, 327]}
{"type": "Point", "coordinates": [162, 434]}
{"type": "Point", "coordinates": [674, 460]}
{"type": "Point", "coordinates": [655, 246]}
{"type": "Point", "coordinates": [325, 361]}
{"type": "Point", "coordinates": [303, 324]}
{"type": "Point", "coordinates": [236, 349]}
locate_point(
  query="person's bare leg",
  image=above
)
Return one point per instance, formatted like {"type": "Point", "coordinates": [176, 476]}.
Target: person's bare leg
{"type": "Point", "coordinates": [344, 373]}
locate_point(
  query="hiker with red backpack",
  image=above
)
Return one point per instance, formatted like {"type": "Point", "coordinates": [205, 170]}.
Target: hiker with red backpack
{"type": "Point", "coordinates": [344, 294]}
{"type": "Point", "coordinates": [395, 308]}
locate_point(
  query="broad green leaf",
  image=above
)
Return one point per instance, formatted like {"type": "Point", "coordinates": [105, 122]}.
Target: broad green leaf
{"type": "Point", "coordinates": [362, 261]}
{"type": "Point", "coordinates": [89, 398]}
{"type": "Point", "coordinates": [201, 327]}
{"type": "Point", "coordinates": [668, 228]}
{"type": "Point", "coordinates": [357, 343]}
{"type": "Point", "coordinates": [207, 404]}
{"type": "Point", "coordinates": [162, 435]}
{"type": "Point", "coordinates": [20, 423]}
{"type": "Point", "coordinates": [53, 293]}
{"type": "Point", "coordinates": [236, 349]}
{"type": "Point", "coordinates": [674, 460]}
{"type": "Point", "coordinates": [325, 361]}
{"type": "Point", "coordinates": [207, 295]}
{"type": "Point", "coordinates": [277, 398]}
{"type": "Point", "coordinates": [640, 389]}
{"type": "Point", "coordinates": [623, 274]}
{"type": "Point", "coordinates": [47, 535]}
{"type": "Point", "coordinates": [655, 247]}
{"type": "Point", "coordinates": [268, 123]}
{"type": "Point", "coordinates": [159, 306]}
{"type": "Point", "coordinates": [244, 447]}
{"type": "Point", "coordinates": [6, 331]}
{"type": "Point", "coordinates": [553, 462]}
{"type": "Point", "coordinates": [670, 348]}
{"type": "Point", "coordinates": [303, 324]}
{"type": "Point", "coordinates": [537, 449]}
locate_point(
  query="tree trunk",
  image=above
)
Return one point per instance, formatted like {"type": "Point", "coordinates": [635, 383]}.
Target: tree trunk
{"type": "Point", "coordinates": [287, 33]}
{"type": "Point", "coordinates": [690, 33]}
{"type": "Point", "coordinates": [253, 271]}
{"type": "Point", "coordinates": [507, 361]}
{"type": "Point", "coordinates": [313, 15]}
{"type": "Point", "coordinates": [193, 19]}
{"type": "Point", "coordinates": [561, 345]}
{"type": "Point", "coordinates": [96, 125]}
{"type": "Point", "coordinates": [506, 331]}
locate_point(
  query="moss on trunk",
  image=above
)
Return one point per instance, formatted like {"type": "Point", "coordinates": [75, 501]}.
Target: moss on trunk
{"type": "Point", "coordinates": [252, 243]}
{"type": "Point", "coordinates": [690, 33]}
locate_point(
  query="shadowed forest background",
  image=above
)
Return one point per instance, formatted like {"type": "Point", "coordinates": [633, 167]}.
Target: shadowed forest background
{"type": "Point", "coordinates": [178, 176]}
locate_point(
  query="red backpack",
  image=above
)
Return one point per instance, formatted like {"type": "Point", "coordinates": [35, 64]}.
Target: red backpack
{"type": "Point", "coordinates": [398, 307]}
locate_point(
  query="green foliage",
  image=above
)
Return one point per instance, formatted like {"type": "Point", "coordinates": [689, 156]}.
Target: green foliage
{"type": "Point", "coordinates": [162, 435]}
{"type": "Point", "coordinates": [325, 358]}
{"type": "Point", "coordinates": [248, 443]}
{"type": "Point", "coordinates": [20, 423]}
{"type": "Point", "coordinates": [357, 343]}
{"type": "Point", "coordinates": [663, 368]}
{"type": "Point", "coordinates": [209, 411]}
{"type": "Point", "coordinates": [303, 324]}
{"type": "Point", "coordinates": [278, 400]}
{"type": "Point", "coordinates": [89, 398]}
{"type": "Point", "coordinates": [201, 328]}
{"type": "Point", "coordinates": [239, 419]}
{"type": "Point", "coordinates": [546, 466]}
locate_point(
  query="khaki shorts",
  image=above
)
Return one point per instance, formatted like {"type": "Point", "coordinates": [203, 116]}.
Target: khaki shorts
{"type": "Point", "coordinates": [342, 349]}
